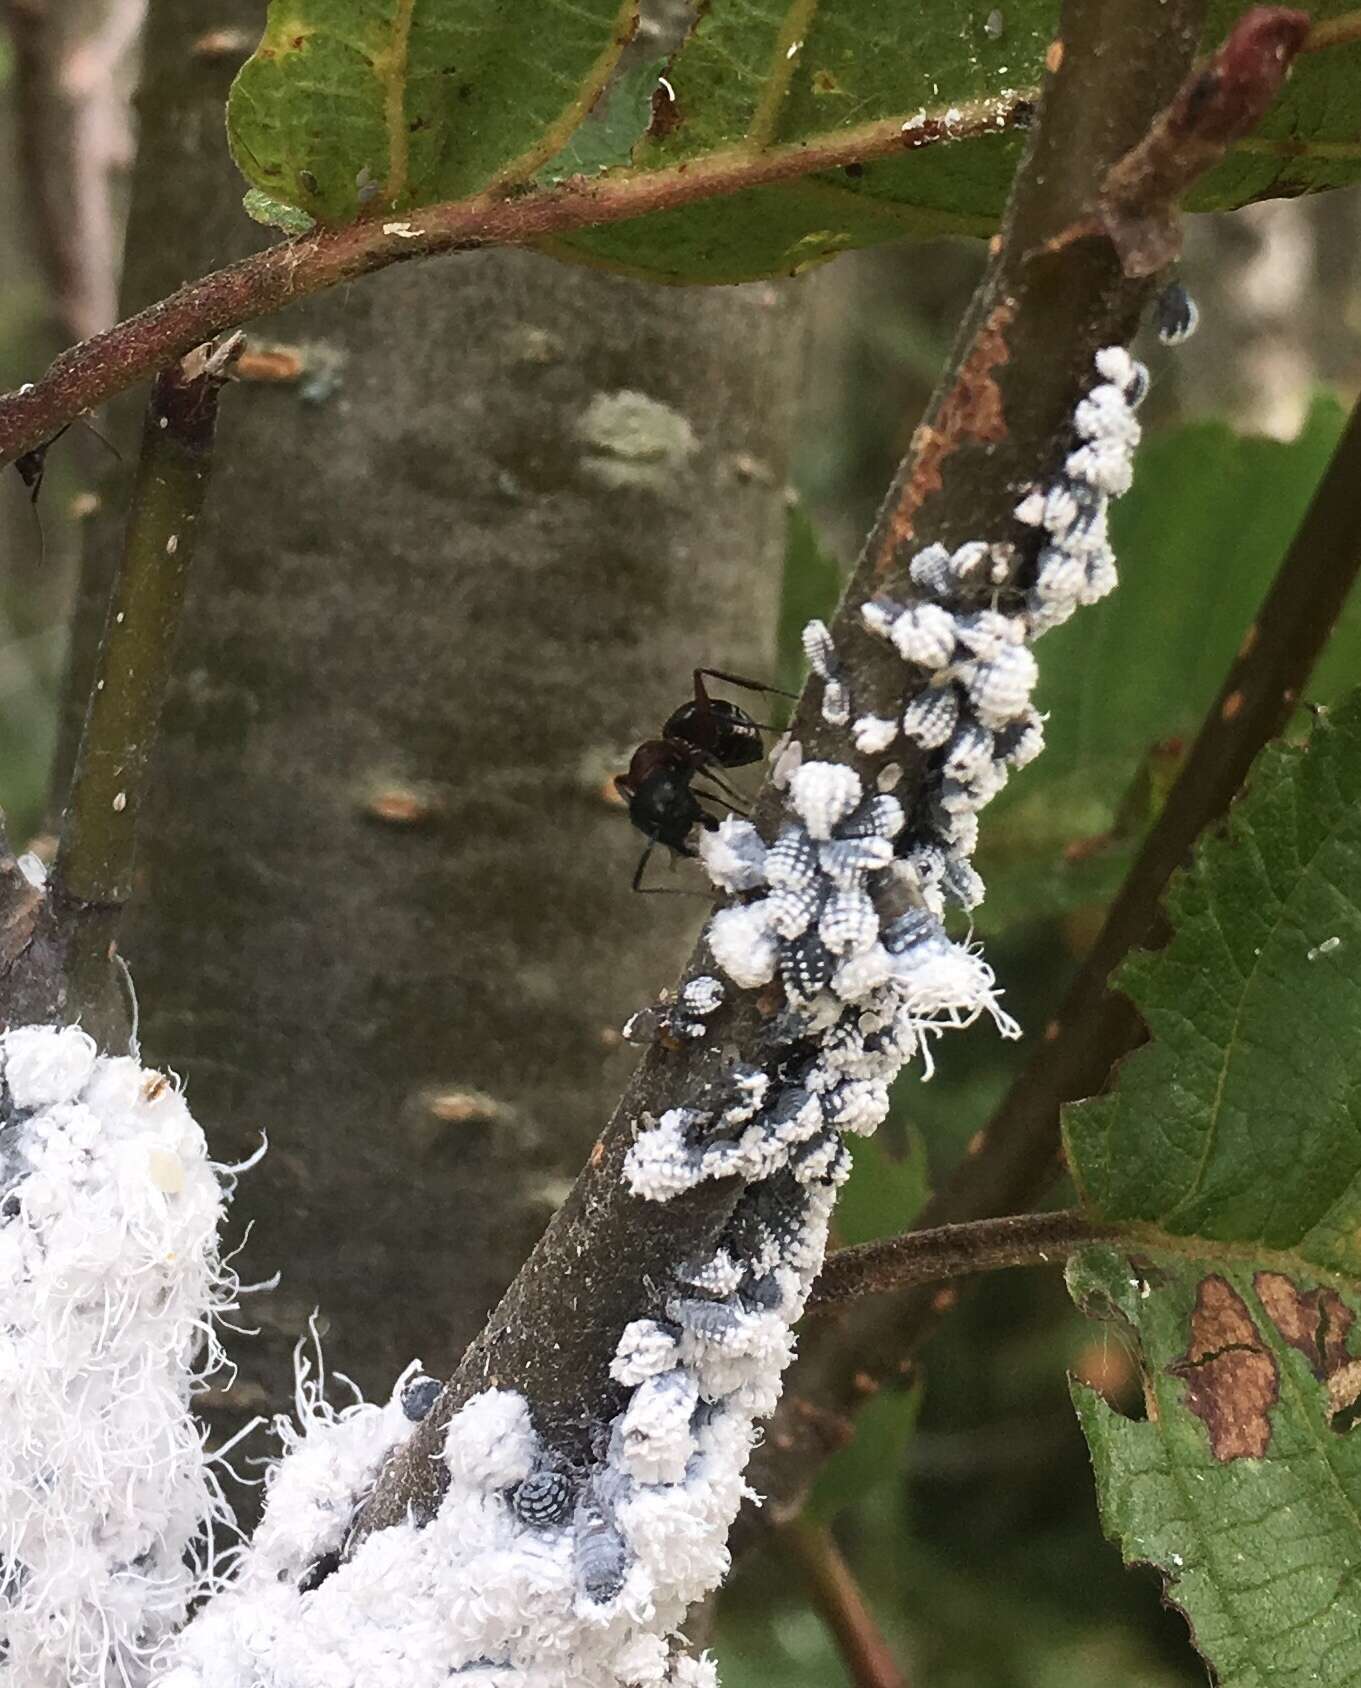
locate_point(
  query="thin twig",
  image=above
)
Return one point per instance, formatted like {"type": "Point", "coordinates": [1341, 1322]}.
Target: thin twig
{"type": "Point", "coordinates": [92, 877]}
{"type": "Point", "coordinates": [1224, 101]}
{"type": "Point", "coordinates": [953, 1251]}
{"type": "Point", "coordinates": [1019, 1155]}
{"type": "Point", "coordinates": [869, 1660]}
{"type": "Point", "coordinates": [99, 368]}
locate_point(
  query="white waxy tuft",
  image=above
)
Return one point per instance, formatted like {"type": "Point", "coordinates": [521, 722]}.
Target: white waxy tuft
{"type": "Point", "coordinates": [734, 855]}
{"type": "Point", "coordinates": [822, 794]}
{"type": "Point", "coordinates": [743, 945]}
{"type": "Point", "coordinates": [873, 734]}
{"type": "Point", "coordinates": [109, 1283]}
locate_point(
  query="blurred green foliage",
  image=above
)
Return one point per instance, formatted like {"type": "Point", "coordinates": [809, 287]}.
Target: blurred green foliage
{"type": "Point", "coordinates": [966, 1505]}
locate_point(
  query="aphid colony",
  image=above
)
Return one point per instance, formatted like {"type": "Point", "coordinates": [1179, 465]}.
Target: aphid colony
{"type": "Point", "coordinates": [539, 1574]}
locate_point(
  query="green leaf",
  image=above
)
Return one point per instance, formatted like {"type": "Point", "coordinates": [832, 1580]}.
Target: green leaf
{"type": "Point", "coordinates": [1199, 539]}
{"type": "Point", "coordinates": [1241, 1119]}
{"type": "Point", "coordinates": [872, 1458]}
{"type": "Point", "coordinates": [761, 74]}
{"type": "Point", "coordinates": [354, 106]}
{"type": "Point", "coordinates": [1231, 1148]}
{"type": "Point", "coordinates": [274, 214]}
{"type": "Point", "coordinates": [384, 105]}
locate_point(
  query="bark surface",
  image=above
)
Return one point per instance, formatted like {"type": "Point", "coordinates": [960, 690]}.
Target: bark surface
{"type": "Point", "coordinates": [448, 575]}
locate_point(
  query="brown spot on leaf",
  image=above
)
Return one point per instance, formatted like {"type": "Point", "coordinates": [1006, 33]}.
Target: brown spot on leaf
{"type": "Point", "coordinates": [666, 112]}
{"type": "Point", "coordinates": [1231, 1377]}
{"type": "Point", "coordinates": [1231, 706]}
{"type": "Point", "coordinates": [1315, 1322]}
{"type": "Point", "coordinates": [971, 411]}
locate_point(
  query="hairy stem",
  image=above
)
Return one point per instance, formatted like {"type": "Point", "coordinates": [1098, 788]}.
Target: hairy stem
{"type": "Point", "coordinates": [99, 368]}
{"type": "Point", "coordinates": [869, 1660]}
{"type": "Point", "coordinates": [94, 866]}
{"type": "Point", "coordinates": [953, 1251]}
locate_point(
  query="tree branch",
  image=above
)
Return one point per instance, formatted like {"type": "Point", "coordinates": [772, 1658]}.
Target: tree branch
{"type": "Point", "coordinates": [869, 1660]}
{"type": "Point", "coordinates": [1017, 1157]}
{"type": "Point", "coordinates": [99, 368]}
{"type": "Point", "coordinates": [92, 877]}
{"type": "Point", "coordinates": [1000, 422]}
{"type": "Point", "coordinates": [952, 1251]}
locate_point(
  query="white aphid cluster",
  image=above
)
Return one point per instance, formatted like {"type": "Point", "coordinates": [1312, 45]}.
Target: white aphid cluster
{"type": "Point", "coordinates": [542, 1572]}
{"type": "Point", "coordinates": [530, 1575]}
{"type": "Point", "coordinates": [109, 1279]}
{"type": "Point", "coordinates": [863, 991]}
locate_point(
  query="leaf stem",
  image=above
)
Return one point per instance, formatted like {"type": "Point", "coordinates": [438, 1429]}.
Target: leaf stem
{"type": "Point", "coordinates": [92, 876]}
{"type": "Point", "coordinates": [105, 365]}
{"type": "Point", "coordinates": [953, 1251]}
{"type": "Point", "coordinates": [832, 1585]}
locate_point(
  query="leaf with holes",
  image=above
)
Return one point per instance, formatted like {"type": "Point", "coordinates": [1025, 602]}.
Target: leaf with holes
{"type": "Point", "coordinates": [1230, 1148]}
{"type": "Point", "coordinates": [1243, 1483]}
{"type": "Point", "coordinates": [353, 107]}
{"type": "Point", "coordinates": [383, 105]}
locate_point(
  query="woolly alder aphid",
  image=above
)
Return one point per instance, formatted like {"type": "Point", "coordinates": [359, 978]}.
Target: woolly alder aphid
{"type": "Point", "coordinates": [706, 734]}
{"type": "Point", "coordinates": [1175, 314]}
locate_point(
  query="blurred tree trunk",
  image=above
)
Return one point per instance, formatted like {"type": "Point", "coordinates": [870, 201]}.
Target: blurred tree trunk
{"type": "Point", "coordinates": [447, 578]}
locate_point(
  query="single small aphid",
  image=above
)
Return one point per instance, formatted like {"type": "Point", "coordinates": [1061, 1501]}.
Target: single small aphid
{"type": "Point", "coordinates": [1175, 314]}
{"type": "Point", "coordinates": [806, 964]}
{"type": "Point", "coordinates": [419, 1395]}
{"type": "Point", "coordinates": [600, 1554]}
{"type": "Point", "coordinates": [544, 1498]}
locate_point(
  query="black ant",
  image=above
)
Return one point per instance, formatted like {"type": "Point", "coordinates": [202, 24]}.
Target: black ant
{"type": "Point", "coordinates": [703, 736]}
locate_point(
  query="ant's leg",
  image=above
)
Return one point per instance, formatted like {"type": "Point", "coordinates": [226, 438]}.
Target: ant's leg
{"type": "Point", "coordinates": [711, 768]}
{"type": "Point", "coordinates": [717, 797]}
{"type": "Point", "coordinates": [103, 439]}
{"type": "Point", "coordinates": [659, 890]}
{"type": "Point", "coordinates": [648, 848]}
{"type": "Point", "coordinates": [701, 696]}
